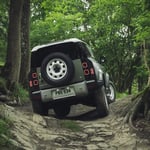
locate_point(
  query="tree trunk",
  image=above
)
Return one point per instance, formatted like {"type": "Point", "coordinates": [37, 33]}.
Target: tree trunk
{"type": "Point", "coordinates": [13, 59]}
{"type": "Point", "coordinates": [25, 44]}
{"type": "Point", "coordinates": [146, 47]}
{"type": "Point", "coordinates": [141, 103]}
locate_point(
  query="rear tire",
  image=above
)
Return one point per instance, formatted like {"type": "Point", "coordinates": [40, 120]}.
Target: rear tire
{"type": "Point", "coordinates": [111, 93]}
{"type": "Point", "coordinates": [39, 107]}
{"type": "Point", "coordinates": [62, 111]}
{"type": "Point", "coordinates": [102, 106]}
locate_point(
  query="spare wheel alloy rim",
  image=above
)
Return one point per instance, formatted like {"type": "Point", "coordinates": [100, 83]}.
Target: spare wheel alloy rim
{"type": "Point", "coordinates": [56, 69]}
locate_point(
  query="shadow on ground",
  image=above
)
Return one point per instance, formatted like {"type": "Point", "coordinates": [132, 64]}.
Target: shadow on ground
{"type": "Point", "coordinates": [85, 116]}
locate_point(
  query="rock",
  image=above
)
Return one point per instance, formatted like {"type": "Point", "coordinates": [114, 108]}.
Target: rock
{"type": "Point", "coordinates": [105, 134]}
{"type": "Point", "coordinates": [90, 131]}
{"type": "Point", "coordinates": [61, 140]}
{"type": "Point", "coordinates": [38, 119]}
{"type": "Point", "coordinates": [34, 132]}
{"type": "Point", "coordinates": [92, 147]}
{"type": "Point", "coordinates": [82, 136]}
{"type": "Point", "coordinates": [103, 145]}
{"type": "Point", "coordinates": [97, 126]}
{"type": "Point", "coordinates": [97, 139]}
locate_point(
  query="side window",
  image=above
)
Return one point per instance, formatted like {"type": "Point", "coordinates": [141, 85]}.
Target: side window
{"type": "Point", "coordinates": [82, 50]}
{"type": "Point", "coordinates": [90, 51]}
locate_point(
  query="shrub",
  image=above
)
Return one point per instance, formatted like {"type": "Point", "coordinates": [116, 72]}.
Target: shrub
{"type": "Point", "coordinates": [4, 130]}
{"type": "Point", "coordinates": [21, 93]}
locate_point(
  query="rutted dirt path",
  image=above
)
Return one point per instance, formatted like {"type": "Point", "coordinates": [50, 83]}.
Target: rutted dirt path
{"type": "Point", "coordinates": [34, 132]}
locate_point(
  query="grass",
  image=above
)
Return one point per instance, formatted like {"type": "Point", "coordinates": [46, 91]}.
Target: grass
{"type": "Point", "coordinates": [71, 125]}
{"type": "Point", "coordinates": [125, 94]}
{"type": "Point", "coordinates": [121, 95]}
{"type": "Point", "coordinates": [18, 93]}
{"type": "Point", "coordinates": [1, 63]}
{"type": "Point", "coordinates": [21, 93]}
{"type": "Point", "coordinates": [5, 134]}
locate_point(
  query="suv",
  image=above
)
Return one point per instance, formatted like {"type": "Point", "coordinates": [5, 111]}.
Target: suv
{"type": "Point", "coordinates": [66, 73]}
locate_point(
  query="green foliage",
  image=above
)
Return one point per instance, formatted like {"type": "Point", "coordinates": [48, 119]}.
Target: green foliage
{"type": "Point", "coordinates": [121, 95]}
{"type": "Point", "coordinates": [3, 85]}
{"type": "Point", "coordinates": [4, 127]}
{"type": "Point", "coordinates": [115, 29]}
{"type": "Point", "coordinates": [71, 125]}
{"type": "Point", "coordinates": [56, 26]}
{"type": "Point", "coordinates": [63, 20]}
{"type": "Point", "coordinates": [143, 27]}
{"type": "Point", "coordinates": [141, 71]}
{"type": "Point", "coordinates": [20, 93]}
{"type": "Point", "coordinates": [3, 29]}
{"type": "Point", "coordinates": [4, 131]}
{"type": "Point", "coordinates": [5, 135]}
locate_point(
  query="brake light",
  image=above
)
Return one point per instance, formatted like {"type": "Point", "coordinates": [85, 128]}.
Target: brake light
{"type": "Point", "coordinates": [86, 72]}
{"type": "Point", "coordinates": [34, 75]}
{"type": "Point", "coordinates": [34, 80]}
{"type": "Point", "coordinates": [84, 65]}
{"type": "Point", "coordinates": [87, 69]}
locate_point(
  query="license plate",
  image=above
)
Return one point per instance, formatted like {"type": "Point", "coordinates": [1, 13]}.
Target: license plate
{"type": "Point", "coordinates": [63, 93]}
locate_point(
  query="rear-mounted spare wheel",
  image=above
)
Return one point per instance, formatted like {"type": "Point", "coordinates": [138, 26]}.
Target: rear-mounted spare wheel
{"type": "Point", "coordinates": [57, 69]}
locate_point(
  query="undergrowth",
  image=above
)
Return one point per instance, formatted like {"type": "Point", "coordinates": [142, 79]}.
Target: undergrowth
{"type": "Point", "coordinates": [18, 92]}
{"type": "Point", "coordinates": [5, 135]}
{"type": "Point", "coordinates": [21, 93]}
{"type": "Point", "coordinates": [71, 125]}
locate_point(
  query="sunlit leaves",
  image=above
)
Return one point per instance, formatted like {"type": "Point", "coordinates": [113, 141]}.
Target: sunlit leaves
{"type": "Point", "coordinates": [63, 19]}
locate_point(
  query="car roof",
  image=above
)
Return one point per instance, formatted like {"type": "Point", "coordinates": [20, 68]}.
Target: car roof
{"type": "Point", "coordinates": [71, 40]}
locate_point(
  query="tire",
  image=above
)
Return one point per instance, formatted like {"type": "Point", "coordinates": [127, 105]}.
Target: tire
{"type": "Point", "coordinates": [39, 108]}
{"type": "Point", "coordinates": [111, 93]}
{"type": "Point", "coordinates": [62, 111]}
{"type": "Point", "coordinates": [102, 106]}
{"type": "Point", "coordinates": [57, 69]}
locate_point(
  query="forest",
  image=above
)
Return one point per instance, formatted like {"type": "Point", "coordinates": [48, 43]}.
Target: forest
{"type": "Point", "coordinates": [116, 29]}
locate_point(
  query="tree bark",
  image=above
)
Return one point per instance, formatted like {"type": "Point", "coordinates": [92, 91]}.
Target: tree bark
{"type": "Point", "coordinates": [13, 59]}
{"type": "Point", "coordinates": [146, 47]}
{"type": "Point", "coordinates": [25, 43]}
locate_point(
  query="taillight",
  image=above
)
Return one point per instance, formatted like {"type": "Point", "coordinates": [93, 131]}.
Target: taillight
{"type": "Point", "coordinates": [87, 69]}
{"type": "Point", "coordinates": [30, 84]}
{"type": "Point", "coordinates": [34, 75]}
{"type": "Point", "coordinates": [92, 71]}
{"type": "Point", "coordinates": [33, 80]}
{"type": "Point", "coordinates": [86, 72]}
{"type": "Point", "coordinates": [84, 65]}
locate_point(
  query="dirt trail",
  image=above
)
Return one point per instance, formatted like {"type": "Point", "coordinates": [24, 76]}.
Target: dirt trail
{"type": "Point", "coordinates": [34, 132]}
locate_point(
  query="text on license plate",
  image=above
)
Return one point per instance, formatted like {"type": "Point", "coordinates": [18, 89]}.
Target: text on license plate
{"type": "Point", "coordinates": [63, 93]}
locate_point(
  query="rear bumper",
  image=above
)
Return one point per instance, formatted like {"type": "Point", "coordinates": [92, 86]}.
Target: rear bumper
{"type": "Point", "coordinates": [79, 90]}
{"type": "Point", "coordinates": [92, 85]}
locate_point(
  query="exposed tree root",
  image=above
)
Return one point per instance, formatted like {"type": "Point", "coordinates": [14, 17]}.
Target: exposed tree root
{"type": "Point", "coordinates": [140, 105]}
{"type": "Point", "coordinates": [5, 98]}
{"type": "Point", "coordinates": [10, 100]}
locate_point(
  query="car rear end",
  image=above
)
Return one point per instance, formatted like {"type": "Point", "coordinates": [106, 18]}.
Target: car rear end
{"type": "Point", "coordinates": [81, 83]}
